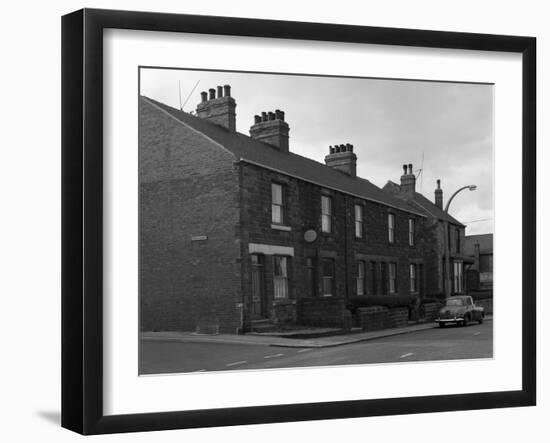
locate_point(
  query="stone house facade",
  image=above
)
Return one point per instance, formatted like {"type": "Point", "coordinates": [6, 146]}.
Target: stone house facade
{"type": "Point", "coordinates": [237, 231]}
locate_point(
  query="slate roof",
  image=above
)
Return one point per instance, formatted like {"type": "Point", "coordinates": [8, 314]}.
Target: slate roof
{"type": "Point", "coordinates": [422, 203]}
{"type": "Point", "coordinates": [249, 150]}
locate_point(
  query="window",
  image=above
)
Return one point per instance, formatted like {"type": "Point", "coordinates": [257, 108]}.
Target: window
{"type": "Point", "coordinates": [411, 231]}
{"type": "Point", "coordinates": [358, 221]}
{"type": "Point", "coordinates": [457, 240]}
{"type": "Point", "coordinates": [383, 278]}
{"type": "Point", "coordinates": [360, 278]}
{"type": "Point", "coordinates": [393, 277]}
{"type": "Point", "coordinates": [280, 276]}
{"type": "Point", "coordinates": [311, 272]}
{"type": "Point", "coordinates": [326, 214]}
{"type": "Point", "coordinates": [277, 203]}
{"type": "Point", "coordinates": [412, 277]}
{"type": "Point", "coordinates": [328, 277]}
{"type": "Point", "coordinates": [391, 228]}
{"type": "Point", "coordinates": [373, 277]}
{"type": "Point", "coordinates": [457, 276]}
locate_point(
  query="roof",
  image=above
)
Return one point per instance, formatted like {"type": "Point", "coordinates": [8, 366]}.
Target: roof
{"type": "Point", "coordinates": [485, 242]}
{"type": "Point", "coordinates": [422, 203]}
{"type": "Point", "coordinates": [256, 152]}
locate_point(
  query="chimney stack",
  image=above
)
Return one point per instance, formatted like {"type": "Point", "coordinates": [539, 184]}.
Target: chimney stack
{"type": "Point", "coordinates": [219, 110]}
{"type": "Point", "coordinates": [342, 158]}
{"type": "Point", "coordinates": [408, 180]}
{"type": "Point", "coordinates": [272, 129]}
{"type": "Point", "coordinates": [439, 195]}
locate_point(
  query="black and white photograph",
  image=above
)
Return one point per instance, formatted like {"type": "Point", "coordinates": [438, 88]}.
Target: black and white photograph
{"type": "Point", "coordinates": [295, 221]}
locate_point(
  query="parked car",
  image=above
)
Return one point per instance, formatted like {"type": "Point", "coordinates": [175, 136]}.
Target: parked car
{"type": "Point", "coordinates": [460, 310]}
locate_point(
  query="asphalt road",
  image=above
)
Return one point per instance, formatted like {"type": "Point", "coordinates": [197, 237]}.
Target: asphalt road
{"type": "Point", "coordinates": [450, 343]}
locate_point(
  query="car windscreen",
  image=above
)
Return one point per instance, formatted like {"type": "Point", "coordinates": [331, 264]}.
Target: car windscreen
{"type": "Point", "coordinates": [455, 302]}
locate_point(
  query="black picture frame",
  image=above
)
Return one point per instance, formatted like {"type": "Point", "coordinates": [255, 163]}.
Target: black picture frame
{"type": "Point", "coordinates": [82, 220]}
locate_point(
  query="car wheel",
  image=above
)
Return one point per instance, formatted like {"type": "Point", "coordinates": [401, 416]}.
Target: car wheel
{"type": "Point", "coordinates": [466, 320]}
{"type": "Point", "coordinates": [441, 324]}
{"type": "Point", "coordinates": [480, 321]}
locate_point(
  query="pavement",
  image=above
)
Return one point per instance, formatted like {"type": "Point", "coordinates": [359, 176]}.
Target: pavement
{"type": "Point", "coordinates": [284, 342]}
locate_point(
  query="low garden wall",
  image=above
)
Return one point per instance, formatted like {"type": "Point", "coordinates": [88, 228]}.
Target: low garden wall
{"type": "Point", "coordinates": [329, 312]}
{"type": "Point", "coordinates": [373, 318]}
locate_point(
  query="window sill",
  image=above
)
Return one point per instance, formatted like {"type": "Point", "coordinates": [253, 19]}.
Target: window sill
{"type": "Point", "coordinates": [281, 227]}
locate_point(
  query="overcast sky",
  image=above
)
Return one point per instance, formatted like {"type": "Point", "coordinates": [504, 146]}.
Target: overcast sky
{"type": "Point", "coordinates": [445, 129]}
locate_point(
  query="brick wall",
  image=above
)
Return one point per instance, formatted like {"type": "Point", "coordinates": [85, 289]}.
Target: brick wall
{"type": "Point", "coordinates": [188, 188]}
{"type": "Point", "coordinates": [374, 318]}
{"type": "Point", "coordinates": [303, 212]}
{"type": "Point", "coordinates": [319, 311]}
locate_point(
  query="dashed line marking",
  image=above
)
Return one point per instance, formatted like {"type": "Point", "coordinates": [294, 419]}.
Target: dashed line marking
{"type": "Point", "coordinates": [236, 363]}
{"type": "Point", "coordinates": [408, 354]}
{"type": "Point", "coordinates": [305, 350]}
{"type": "Point", "coordinates": [477, 333]}
{"type": "Point", "coordinates": [274, 356]}
{"type": "Point", "coordinates": [200, 370]}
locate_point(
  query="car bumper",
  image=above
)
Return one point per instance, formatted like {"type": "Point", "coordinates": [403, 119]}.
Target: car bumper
{"type": "Point", "coordinates": [449, 320]}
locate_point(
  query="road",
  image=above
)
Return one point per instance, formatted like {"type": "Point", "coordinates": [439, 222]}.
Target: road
{"type": "Point", "coordinates": [450, 343]}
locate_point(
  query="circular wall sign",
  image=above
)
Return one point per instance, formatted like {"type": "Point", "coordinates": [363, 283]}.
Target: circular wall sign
{"type": "Point", "coordinates": [310, 236]}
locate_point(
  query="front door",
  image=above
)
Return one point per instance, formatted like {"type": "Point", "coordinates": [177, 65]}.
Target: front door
{"type": "Point", "coordinates": [258, 287]}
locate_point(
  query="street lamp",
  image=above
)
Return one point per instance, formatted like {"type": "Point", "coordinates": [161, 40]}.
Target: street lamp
{"type": "Point", "coordinates": [447, 241]}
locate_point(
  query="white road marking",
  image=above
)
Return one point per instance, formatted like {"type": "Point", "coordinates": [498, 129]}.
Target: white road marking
{"type": "Point", "coordinates": [408, 354]}
{"type": "Point", "coordinates": [305, 350]}
{"type": "Point", "coordinates": [477, 333]}
{"type": "Point", "coordinates": [274, 355]}
{"type": "Point", "coordinates": [200, 370]}
{"type": "Point", "coordinates": [236, 363]}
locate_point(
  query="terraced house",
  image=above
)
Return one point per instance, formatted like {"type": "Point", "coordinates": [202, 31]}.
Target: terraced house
{"type": "Point", "coordinates": [237, 231]}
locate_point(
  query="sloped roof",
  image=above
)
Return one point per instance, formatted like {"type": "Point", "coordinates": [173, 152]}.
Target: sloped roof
{"type": "Point", "coordinates": [485, 243]}
{"type": "Point", "coordinates": [249, 150]}
{"type": "Point", "coordinates": [421, 202]}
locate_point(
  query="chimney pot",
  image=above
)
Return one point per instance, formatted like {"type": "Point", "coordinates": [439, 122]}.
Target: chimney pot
{"type": "Point", "coordinates": [257, 119]}
{"type": "Point", "coordinates": [264, 116]}
{"type": "Point", "coordinates": [342, 148]}
{"type": "Point", "coordinates": [438, 184]}
{"type": "Point", "coordinates": [410, 169]}
{"type": "Point", "coordinates": [279, 115]}
{"type": "Point", "coordinates": [271, 115]}
{"type": "Point", "coordinates": [219, 112]}
{"type": "Point", "coordinates": [227, 91]}
{"type": "Point", "coordinates": [337, 148]}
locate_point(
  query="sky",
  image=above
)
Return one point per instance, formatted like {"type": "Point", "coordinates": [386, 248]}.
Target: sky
{"type": "Point", "coordinates": [444, 129]}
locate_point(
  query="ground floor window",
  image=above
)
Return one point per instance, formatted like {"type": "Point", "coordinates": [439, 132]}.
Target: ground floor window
{"type": "Point", "coordinates": [360, 278]}
{"type": "Point", "coordinates": [412, 277]}
{"type": "Point", "coordinates": [393, 277]}
{"type": "Point", "coordinates": [311, 272]}
{"type": "Point", "coordinates": [373, 279]}
{"type": "Point", "coordinates": [383, 278]}
{"type": "Point", "coordinates": [280, 276]}
{"type": "Point", "coordinates": [458, 276]}
{"type": "Point", "coordinates": [328, 277]}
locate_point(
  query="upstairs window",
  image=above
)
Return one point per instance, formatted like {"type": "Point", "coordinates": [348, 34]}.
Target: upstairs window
{"type": "Point", "coordinates": [411, 231]}
{"type": "Point", "coordinates": [326, 214]}
{"type": "Point", "coordinates": [360, 278]}
{"type": "Point", "coordinates": [358, 221]}
{"type": "Point", "coordinates": [391, 228]}
{"type": "Point", "coordinates": [280, 276]}
{"type": "Point", "coordinates": [277, 203]}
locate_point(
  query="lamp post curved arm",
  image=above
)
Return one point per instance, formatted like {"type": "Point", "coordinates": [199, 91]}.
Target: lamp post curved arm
{"type": "Point", "coordinates": [470, 187]}
{"type": "Point", "coordinates": [446, 241]}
